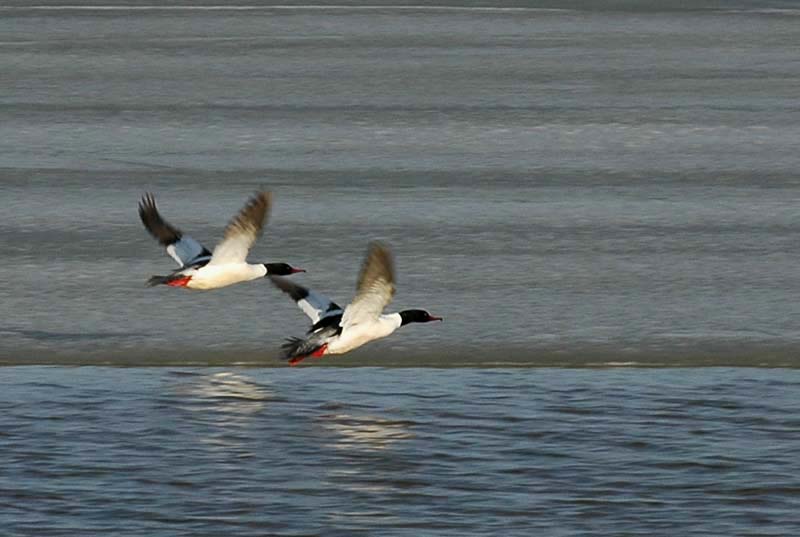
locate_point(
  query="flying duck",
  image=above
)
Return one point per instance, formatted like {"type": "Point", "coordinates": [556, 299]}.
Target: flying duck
{"type": "Point", "coordinates": [337, 330]}
{"type": "Point", "coordinates": [202, 269]}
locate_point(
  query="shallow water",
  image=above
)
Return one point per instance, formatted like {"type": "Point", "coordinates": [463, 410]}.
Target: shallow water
{"type": "Point", "coordinates": [375, 451]}
{"type": "Point", "coordinates": [607, 185]}
{"type": "Point", "coordinates": [613, 184]}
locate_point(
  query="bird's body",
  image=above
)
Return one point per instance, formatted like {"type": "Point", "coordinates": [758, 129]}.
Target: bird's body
{"type": "Point", "coordinates": [202, 269]}
{"type": "Point", "coordinates": [205, 277]}
{"type": "Point", "coordinates": [363, 333]}
{"type": "Point", "coordinates": [336, 330]}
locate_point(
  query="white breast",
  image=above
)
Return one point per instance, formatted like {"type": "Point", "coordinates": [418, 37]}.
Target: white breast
{"type": "Point", "coordinates": [216, 276]}
{"type": "Point", "coordinates": [359, 334]}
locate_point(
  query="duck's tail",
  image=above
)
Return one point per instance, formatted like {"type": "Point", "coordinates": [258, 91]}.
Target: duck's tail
{"type": "Point", "coordinates": [157, 280]}
{"type": "Point", "coordinates": [296, 349]}
{"type": "Point", "coordinates": [173, 280]}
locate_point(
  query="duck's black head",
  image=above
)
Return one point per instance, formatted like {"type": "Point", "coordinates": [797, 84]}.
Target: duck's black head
{"type": "Point", "coordinates": [281, 269]}
{"type": "Point", "coordinates": [417, 316]}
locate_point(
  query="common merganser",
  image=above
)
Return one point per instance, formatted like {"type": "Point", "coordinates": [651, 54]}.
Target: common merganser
{"type": "Point", "coordinates": [201, 269]}
{"type": "Point", "coordinates": [335, 330]}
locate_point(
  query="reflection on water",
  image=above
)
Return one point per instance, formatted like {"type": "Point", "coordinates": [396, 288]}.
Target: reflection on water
{"type": "Point", "coordinates": [370, 433]}
{"type": "Point", "coordinates": [367, 446]}
{"type": "Point", "coordinates": [225, 404]}
{"type": "Point", "coordinates": [358, 451]}
{"type": "Point", "coordinates": [226, 392]}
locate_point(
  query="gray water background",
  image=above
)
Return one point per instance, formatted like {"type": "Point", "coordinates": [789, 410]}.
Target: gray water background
{"type": "Point", "coordinates": [612, 184]}
{"type": "Point", "coordinates": [563, 186]}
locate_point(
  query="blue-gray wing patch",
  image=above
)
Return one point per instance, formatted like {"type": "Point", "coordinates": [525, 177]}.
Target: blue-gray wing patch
{"type": "Point", "coordinates": [313, 304]}
{"type": "Point", "coordinates": [188, 251]}
{"type": "Point", "coordinates": [182, 248]}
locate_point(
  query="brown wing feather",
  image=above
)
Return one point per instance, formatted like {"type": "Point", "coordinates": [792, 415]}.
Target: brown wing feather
{"type": "Point", "coordinates": [375, 287]}
{"type": "Point", "coordinates": [250, 219]}
{"type": "Point", "coordinates": [243, 230]}
{"type": "Point", "coordinates": [378, 268]}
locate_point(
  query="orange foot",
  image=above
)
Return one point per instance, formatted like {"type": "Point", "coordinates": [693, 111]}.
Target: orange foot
{"type": "Point", "coordinates": [296, 360]}
{"type": "Point", "coordinates": [316, 354]}
{"type": "Point", "coordinates": [320, 352]}
{"type": "Point", "coordinates": [179, 282]}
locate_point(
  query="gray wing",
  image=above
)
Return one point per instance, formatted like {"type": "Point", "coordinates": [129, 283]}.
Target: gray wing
{"type": "Point", "coordinates": [375, 287]}
{"type": "Point", "coordinates": [313, 304]}
{"type": "Point", "coordinates": [182, 248]}
{"type": "Point", "coordinates": [243, 231]}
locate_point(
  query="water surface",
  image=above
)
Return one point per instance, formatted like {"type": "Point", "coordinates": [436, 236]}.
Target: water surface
{"type": "Point", "coordinates": [375, 451]}
{"type": "Point", "coordinates": [604, 184]}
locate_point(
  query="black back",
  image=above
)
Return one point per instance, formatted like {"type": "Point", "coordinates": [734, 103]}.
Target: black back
{"type": "Point", "coordinates": [328, 322]}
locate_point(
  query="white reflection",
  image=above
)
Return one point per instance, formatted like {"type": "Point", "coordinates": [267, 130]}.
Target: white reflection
{"type": "Point", "coordinates": [358, 435]}
{"type": "Point", "coordinates": [365, 432]}
{"type": "Point", "coordinates": [354, 480]}
{"type": "Point", "coordinates": [226, 403]}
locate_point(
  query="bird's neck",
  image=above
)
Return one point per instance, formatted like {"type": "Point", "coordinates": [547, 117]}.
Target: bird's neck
{"type": "Point", "coordinates": [393, 319]}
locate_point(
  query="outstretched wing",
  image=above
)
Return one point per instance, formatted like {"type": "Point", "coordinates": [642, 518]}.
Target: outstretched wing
{"type": "Point", "coordinates": [243, 231]}
{"type": "Point", "coordinates": [182, 248]}
{"type": "Point", "coordinates": [313, 304]}
{"type": "Point", "coordinates": [375, 287]}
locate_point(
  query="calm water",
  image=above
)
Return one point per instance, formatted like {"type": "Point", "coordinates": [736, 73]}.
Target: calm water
{"type": "Point", "coordinates": [377, 451]}
{"type": "Point", "coordinates": [576, 187]}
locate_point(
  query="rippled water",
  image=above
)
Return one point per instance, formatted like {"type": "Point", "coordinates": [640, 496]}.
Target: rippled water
{"type": "Point", "coordinates": [611, 184]}
{"type": "Point", "coordinates": [565, 187]}
{"type": "Point", "coordinates": [374, 451]}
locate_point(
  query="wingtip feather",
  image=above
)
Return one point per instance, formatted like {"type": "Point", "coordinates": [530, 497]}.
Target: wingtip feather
{"type": "Point", "coordinates": [159, 228]}
{"type": "Point", "coordinates": [296, 292]}
{"type": "Point", "coordinates": [252, 217]}
{"type": "Point", "coordinates": [378, 264]}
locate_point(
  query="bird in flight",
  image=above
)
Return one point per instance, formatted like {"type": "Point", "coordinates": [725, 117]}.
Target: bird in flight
{"type": "Point", "coordinates": [337, 330]}
{"type": "Point", "coordinates": [227, 264]}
